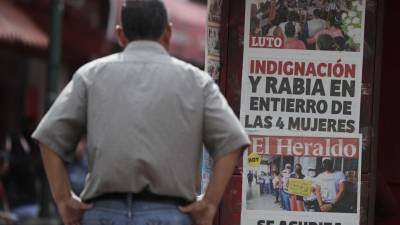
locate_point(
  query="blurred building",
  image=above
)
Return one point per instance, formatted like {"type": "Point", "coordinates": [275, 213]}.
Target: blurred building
{"type": "Point", "coordinates": [87, 33]}
{"type": "Point", "coordinates": [189, 22]}
{"type": "Point", "coordinates": [24, 43]}
{"type": "Point", "coordinates": [24, 47]}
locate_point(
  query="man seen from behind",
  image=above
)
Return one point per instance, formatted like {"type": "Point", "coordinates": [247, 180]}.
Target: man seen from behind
{"type": "Point", "coordinates": [146, 116]}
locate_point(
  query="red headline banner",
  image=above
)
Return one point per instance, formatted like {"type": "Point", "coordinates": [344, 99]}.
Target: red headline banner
{"type": "Point", "coordinates": [305, 146]}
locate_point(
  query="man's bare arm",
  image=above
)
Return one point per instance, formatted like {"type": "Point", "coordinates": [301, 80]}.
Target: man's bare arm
{"type": "Point", "coordinates": [69, 205]}
{"type": "Point", "coordinates": [318, 194]}
{"type": "Point", "coordinates": [340, 193]}
{"type": "Point", "coordinates": [56, 174]}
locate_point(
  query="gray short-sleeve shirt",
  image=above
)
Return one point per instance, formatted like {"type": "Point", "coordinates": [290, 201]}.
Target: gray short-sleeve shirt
{"type": "Point", "coordinates": [147, 116]}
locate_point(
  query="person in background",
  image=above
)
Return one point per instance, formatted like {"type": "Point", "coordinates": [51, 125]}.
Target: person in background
{"type": "Point", "coordinates": [6, 217]}
{"type": "Point", "coordinates": [20, 182]}
{"type": "Point", "coordinates": [261, 182]}
{"type": "Point", "coordinates": [275, 30]}
{"type": "Point", "coordinates": [255, 28]}
{"type": "Point", "coordinates": [271, 185]}
{"type": "Point", "coordinates": [310, 202]}
{"type": "Point", "coordinates": [341, 44]}
{"type": "Point", "coordinates": [291, 41]}
{"type": "Point", "coordinates": [302, 4]}
{"type": "Point", "coordinates": [316, 24]}
{"type": "Point", "coordinates": [269, 15]}
{"type": "Point", "coordinates": [330, 187]}
{"type": "Point", "coordinates": [325, 42]}
{"type": "Point", "coordinates": [296, 201]}
{"type": "Point", "coordinates": [267, 183]}
{"type": "Point", "coordinates": [284, 192]}
{"type": "Point", "coordinates": [333, 28]}
{"type": "Point", "coordinates": [282, 11]}
{"type": "Point", "coordinates": [318, 3]}
{"type": "Point", "coordinates": [348, 203]}
{"type": "Point", "coordinates": [292, 4]}
{"type": "Point", "coordinates": [281, 190]}
{"type": "Point", "coordinates": [294, 18]}
{"type": "Point", "coordinates": [78, 169]}
{"type": "Point", "coordinates": [250, 178]}
{"type": "Point", "coordinates": [147, 116]}
{"type": "Point", "coordinates": [333, 5]}
{"type": "Point", "coordinates": [276, 184]}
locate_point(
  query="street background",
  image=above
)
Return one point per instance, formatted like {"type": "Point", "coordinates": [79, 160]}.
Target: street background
{"type": "Point", "coordinates": [43, 42]}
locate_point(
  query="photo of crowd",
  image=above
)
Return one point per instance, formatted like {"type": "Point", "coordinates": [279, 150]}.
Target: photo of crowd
{"type": "Point", "coordinates": [333, 184]}
{"type": "Point", "coordinates": [213, 68]}
{"type": "Point", "coordinates": [332, 25]}
{"type": "Point", "coordinates": [215, 11]}
{"type": "Point", "coordinates": [213, 41]}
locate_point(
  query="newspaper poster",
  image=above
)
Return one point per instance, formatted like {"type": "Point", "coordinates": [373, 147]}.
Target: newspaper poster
{"type": "Point", "coordinates": [206, 170]}
{"type": "Point", "coordinates": [213, 68]}
{"type": "Point", "coordinates": [214, 11]}
{"type": "Point", "coordinates": [212, 48]}
{"type": "Point", "coordinates": [300, 105]}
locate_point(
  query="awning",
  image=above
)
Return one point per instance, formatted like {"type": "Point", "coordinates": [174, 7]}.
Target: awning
{"type": "Point", "coordinates": [80, 39]}
{"type": "Point", "coordinates": [17, 28]}
{"type": "Point", "coordinates": [188, 31]}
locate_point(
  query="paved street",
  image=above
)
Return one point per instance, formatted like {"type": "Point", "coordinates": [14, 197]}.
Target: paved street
{"type": "Point", "coordinates": [255, 201]}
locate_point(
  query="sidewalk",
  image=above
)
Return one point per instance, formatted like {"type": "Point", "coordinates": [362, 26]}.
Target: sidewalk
{"type": "Point", "coordinates": [40, 222]}
{"type": "Point", "coordinates": [255, 201]}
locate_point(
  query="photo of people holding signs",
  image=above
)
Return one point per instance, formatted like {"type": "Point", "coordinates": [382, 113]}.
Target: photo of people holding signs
{"type": "Point", "coordinates": [303, 184]}
{"type": "Point", "coordinates": [302, 177]}
{"type": "Point", "coordinates": [333, 25]}
{"type": "Point", "coordinates": [301, 110]}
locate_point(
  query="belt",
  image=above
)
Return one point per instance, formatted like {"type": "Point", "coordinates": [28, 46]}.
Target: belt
{"type": "Point", "coordinates": [142, 196]}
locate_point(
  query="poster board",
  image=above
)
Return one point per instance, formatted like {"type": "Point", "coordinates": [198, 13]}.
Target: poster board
{"type": "Point", "coordinates": [300, 104]}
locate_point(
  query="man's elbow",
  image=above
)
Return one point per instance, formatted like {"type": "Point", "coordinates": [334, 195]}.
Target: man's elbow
{"type": "Point", "coordinates": [47, 153]}
{"type": "Point", "coordinates": [232, 156]}
{"type": "Point", "coordinates": [236, 153]}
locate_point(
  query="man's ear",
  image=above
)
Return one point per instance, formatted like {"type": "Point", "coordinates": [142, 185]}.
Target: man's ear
{"type": "Point", "coordinates": [165, 38]}
{"type": "Point", "coordinates": [122, 40]}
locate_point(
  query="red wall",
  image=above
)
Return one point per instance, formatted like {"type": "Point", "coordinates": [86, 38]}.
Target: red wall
{"type": "Point", "coordinates": [388, 183]}
{"type": "Point", "coordinates": [389, 130]}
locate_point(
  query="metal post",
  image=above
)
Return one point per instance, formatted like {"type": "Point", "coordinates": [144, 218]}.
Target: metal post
{"type": "Point", "coordinates": [57, 8]}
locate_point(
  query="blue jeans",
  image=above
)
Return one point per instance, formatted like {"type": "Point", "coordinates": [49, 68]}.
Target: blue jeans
{"type": "Point", "coordinates": [276, 192]}
{"type": "Point", "coordinates": [134, 212]}
{"type": "Point", "coordinates": [285, 200]}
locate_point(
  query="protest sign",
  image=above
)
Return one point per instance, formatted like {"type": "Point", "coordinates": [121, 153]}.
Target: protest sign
{"type": "Point", "coordinates": [299, 187]}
